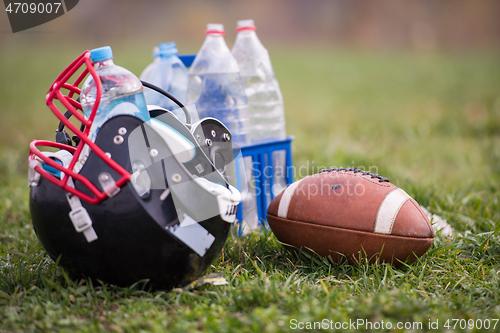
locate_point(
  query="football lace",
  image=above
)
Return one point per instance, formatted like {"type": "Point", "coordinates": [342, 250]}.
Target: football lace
{"type": "Point", "coordinates": [365, 173]}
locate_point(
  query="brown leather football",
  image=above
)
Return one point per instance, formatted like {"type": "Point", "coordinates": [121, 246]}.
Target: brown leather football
{"type": "Point", "coordinates": [351, 214]}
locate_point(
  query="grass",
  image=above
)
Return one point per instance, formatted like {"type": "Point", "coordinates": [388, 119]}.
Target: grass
{"type": "Point", "coordinates": [429, 122]}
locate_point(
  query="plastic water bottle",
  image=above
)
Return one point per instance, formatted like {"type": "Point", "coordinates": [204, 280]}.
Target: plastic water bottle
{"type": "Point", "coordinates": [147, 71]}
{"type": "Point", "coordinates": [215, 86]}
{"type": "Point", "coordinates": [170, 74]}
{"type": "Point", "coordinates": [267, 116]}
{"type": "Point", "coordinates": [121, 94]}
{"type": "Point", "coordinates": [121, 91]}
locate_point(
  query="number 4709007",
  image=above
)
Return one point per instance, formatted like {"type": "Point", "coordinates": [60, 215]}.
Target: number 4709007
{"type": "Point", "coordinates": [471, 324]}
{"type": "Point", "coordinates": [32, 8]}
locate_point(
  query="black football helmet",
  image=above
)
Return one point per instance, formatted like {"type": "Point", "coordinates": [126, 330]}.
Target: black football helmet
{"type": "Point", "coordinates": [153, 201]}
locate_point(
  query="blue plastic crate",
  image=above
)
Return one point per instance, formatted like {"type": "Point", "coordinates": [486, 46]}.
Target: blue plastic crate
{"type": "Point", "coordinates": [261, 155]}
{"type": "Point", "coordinates": [263, 172]}
{"type": "Point", "coordinates": [187, 59]}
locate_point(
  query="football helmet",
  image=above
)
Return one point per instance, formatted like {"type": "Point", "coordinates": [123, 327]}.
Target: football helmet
{"type": "Point", "coordinates": [153, 201]}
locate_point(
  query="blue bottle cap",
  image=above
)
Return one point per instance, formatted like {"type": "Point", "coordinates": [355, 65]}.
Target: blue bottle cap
{"type": "Point", "coordinates": [168, 49]}
{"type": "Point", "coordinates": [102, 53]}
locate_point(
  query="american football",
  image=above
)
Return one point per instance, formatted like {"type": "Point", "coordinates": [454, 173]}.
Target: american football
{"type": "Point", "coordinates": [348, 214]}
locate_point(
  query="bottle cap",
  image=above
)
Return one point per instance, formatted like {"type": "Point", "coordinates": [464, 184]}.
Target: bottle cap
{"type": "Point", "coordinates": [215, 28]}
{"type": "Point", "coordinates": [245, 25]}
{"type": "Point", "coordinates": [102, 53]}
{"type": "Point", "coordinates": [167, 49]}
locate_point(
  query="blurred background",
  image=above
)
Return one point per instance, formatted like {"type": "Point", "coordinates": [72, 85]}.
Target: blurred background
{"type": "Point", "coordinates": [380, 24]}
{"type": "Point", "coordinates": [411, 87]}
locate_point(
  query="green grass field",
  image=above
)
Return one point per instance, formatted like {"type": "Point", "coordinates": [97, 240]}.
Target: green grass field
{"type": "Point", "coordinates": [430, 122]}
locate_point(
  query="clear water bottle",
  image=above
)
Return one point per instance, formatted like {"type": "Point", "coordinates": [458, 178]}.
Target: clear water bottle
{"type": "Point", "coordinates": [121, 94]}
{"type": "Point", "coordinates": [215, 86]}
{"type": "Point", "coordinates": [267, 116]}
{"type": "Point", "coordinates": [119, 86]}
{"type": "Point", "coordinates": [171, 75]}
{"type": "Point", "coordinates": [147, 71]}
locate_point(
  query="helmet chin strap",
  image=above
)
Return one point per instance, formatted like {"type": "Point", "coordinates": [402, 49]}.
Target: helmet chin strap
{"type": "Point", "coordinates": [79, 216]}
